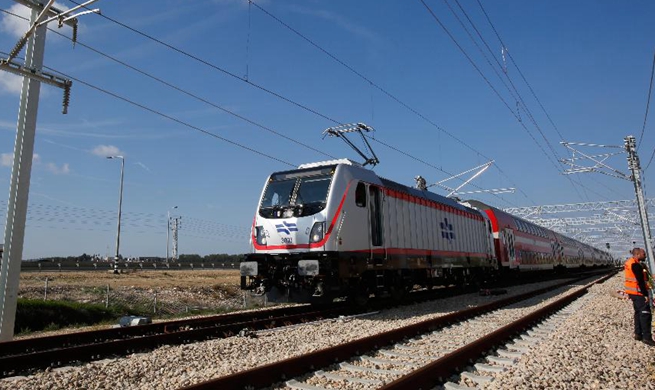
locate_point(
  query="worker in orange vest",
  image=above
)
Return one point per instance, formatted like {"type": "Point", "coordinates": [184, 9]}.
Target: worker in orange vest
{"type": "Point", "coordinates": [635, 287]}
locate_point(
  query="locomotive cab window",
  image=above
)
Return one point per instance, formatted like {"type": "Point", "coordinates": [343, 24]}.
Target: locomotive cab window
{"type": "Point", "coordinates": [360, 195]}
{"type": "Point", "coordinates": [296, 193]}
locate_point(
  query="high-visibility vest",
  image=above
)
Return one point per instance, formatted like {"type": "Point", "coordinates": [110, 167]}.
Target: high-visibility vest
{"type": "Point", "coordinates": [631, 285]}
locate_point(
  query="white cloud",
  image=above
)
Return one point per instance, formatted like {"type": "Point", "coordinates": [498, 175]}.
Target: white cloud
{"type": "Point", "coordinates": [107, 150]}
{"type": "Point", "coordinates": [11, 83]}
{"type": "Point", "coordinates": [14, 25]}
{"type": "Point", "coordinates": [6, 159]}
{"type": "Point", "coordinates": [18, 25]}
{"type": "Point", "coordinates": [53, 168]}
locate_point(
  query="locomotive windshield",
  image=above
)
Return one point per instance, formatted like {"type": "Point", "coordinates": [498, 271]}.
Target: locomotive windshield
{"type": "Point", "coordinates": [296, 193]}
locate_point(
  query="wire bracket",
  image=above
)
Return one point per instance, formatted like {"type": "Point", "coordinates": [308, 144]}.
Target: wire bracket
{"type": "Point", "coordinates": [47, 14]}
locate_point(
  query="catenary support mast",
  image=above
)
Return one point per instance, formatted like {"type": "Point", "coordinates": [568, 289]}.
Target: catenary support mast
{"type": "Point", "coordinates": [635, 168]}
{"type": "Point", "coordinates": [33, 76]}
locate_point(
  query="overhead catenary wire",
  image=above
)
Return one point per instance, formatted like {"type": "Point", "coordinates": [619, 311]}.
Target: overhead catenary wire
{"type": "Point", "coordinates": [520, 101]}
{"type": "Point", "coordinates": [169, 117]}
{"type": "Point", "coordinates": [183, 91]}
{"type": "Point", "coordinates": [522, 124]}
{"type": "Point", "coordinates": [269, 91]}
{"type": "Point", "coordinates": [180, 90]}
{"type": "Point", "coordinates": [81, 218]}
{"type": "Point", "coordinates": [650, 90]}
{"type": "Point", "coordinates": [216, 67]}
{"type": "Point", "coordinates": [385, 92]}
{"type": "Point", "coordinates": [475, 66]}
{"type": "Point", "coordinates": [525, 80]}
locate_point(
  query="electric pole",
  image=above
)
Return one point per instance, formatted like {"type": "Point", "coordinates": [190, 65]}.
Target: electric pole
{"type": "Point", "coordinates": [33, 76]}
{"type": "Point", "coordinates": [177, 225]}
{"type": "Point", "coordinates": [635, 168]}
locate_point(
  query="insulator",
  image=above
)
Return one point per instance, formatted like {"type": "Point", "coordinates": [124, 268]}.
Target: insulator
{"type": "Point", "coordinates": [67, 97]}
{"type": "Point", "coordinates": [74, 34]}
{"type": "Point", "coordinates": [19, 46]}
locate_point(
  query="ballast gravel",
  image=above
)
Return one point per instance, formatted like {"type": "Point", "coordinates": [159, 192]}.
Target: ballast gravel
{"type": "Point", "coordinates": [171, 367]}
{"type": "Point", "coordinates": [592, 349]}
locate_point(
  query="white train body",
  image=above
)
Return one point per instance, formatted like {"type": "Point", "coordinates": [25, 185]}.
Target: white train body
{"type": "Point", "coordinates": [337, 226]}
{"type": "Point", "coordinates": [334, 228]}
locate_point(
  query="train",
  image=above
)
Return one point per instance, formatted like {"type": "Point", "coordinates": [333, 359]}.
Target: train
{"type": "Point", "coordinates": [336, 229]}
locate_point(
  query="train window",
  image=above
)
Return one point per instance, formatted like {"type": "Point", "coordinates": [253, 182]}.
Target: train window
{"type": "Point", "coordinates": [312, 190]}
{"type": "Point", "coordinates": [278, 193]}
{"type": "Point", "coordinates": [360, 195]}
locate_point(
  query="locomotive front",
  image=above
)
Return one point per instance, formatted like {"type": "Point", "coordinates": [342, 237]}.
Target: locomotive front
{"type": "Point", "coordinates": [291, 232]}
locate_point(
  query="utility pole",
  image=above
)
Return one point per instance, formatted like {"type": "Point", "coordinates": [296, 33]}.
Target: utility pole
{"type": "Point", "coordinates": [33, 76]}
{"type": "Point", "coordinates": [120, 207]}
{"type": "Point", "coordinates": [168, 229]}
{"type": "Point", "coordinates": [177, 224]}
{"type": "Point", "coordinates": [635, 168]}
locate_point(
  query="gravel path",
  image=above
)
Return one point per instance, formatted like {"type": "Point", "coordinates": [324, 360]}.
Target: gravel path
{"type": "Point", "coordinates": [172, 367]}
{"type": "Point", "coordinates": [388, 364]}
{"type": "Point", "coordinates": [592, 349]}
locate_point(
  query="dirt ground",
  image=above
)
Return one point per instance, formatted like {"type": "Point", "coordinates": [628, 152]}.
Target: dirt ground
{"type": "Point", "coordinates": [178, 293]}
{"type": "Point", "coordinates": [227, 279]}
{"type": "Point", "coordinates": [170, 292]}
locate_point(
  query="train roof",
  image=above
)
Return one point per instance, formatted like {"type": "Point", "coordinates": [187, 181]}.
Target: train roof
{"type": "Point", "coordinates": [345, 161]}
{"type": "Point", "coordinates": [422, 194]}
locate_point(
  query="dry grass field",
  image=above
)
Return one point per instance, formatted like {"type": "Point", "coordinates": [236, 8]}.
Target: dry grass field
{"type": "Point", "coordinates": [171, 292]}
{"type": "Point", "coordinates": [227, 279]}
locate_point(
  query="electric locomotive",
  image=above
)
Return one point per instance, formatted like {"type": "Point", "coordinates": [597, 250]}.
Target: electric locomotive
{"type": "Point", "coordinates": [334, 228]}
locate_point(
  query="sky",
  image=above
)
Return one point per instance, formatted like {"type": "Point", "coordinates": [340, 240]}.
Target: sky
{"type": "Point", "coordinates": [205, 99]}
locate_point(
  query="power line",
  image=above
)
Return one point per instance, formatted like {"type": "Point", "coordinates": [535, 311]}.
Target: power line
{"type": "Point", "coordinates": [525, 106]}
{"type": "Point", "coordinates": [520, 98]}
{"type": "Point", "coordinates": [650, 89]}
{"type": "Point", "coordinates": [384, 91]}
{"type": "Point", "coordinates": [169, 117]}
{"type": "Point", "coordinates": [224, 71]}
{"type": "Point", "coordinates": [216, 67]}
{"type": "Point", "coordinates": [438, 21]}
{"type": "Point", "coordinates": [181, 90]}
{"type": "Point", "coordinates": [80, 218]}
{"type": "Point", "coordinates": [509, 54]}
{"type": "Point", "coordinates": [178, 50]}
{"type": "Point", "coordinates": [363, 77]}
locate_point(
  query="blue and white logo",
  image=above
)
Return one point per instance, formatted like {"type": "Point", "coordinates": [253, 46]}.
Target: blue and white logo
{"type": "Point", "coordinates": [286, 227]}
{"type": "Point", "coordinates": [447, 230]}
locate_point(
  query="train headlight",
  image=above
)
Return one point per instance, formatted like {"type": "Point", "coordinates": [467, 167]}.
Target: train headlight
{"type": "Point", "coordinates": [318, 232]}
{"type": "Point", "coordinates": [260, 235]}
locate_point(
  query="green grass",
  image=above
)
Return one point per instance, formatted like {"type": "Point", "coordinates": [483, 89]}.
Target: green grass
{"type": "Point", "coordinates": [36, 315]}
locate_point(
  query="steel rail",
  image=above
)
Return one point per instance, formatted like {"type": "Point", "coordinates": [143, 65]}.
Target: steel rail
{"type": "Point", "coordinates": [37, 344]}
{"type": "Point", "coordinates": [436, 372]}
{"type": "Point", "coordinates": [11, 365]}
{"type": "Point", "coordinates": [268, 374]}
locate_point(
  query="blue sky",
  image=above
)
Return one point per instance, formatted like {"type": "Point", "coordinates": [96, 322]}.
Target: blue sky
{"type": "Point", "coordinates": [589, 63]}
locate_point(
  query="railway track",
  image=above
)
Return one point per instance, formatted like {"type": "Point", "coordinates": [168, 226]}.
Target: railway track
{"type": "Point", "coordinates": [416, 356]}
{"type": "Point", "coordinates": [24, 355]}
{"type": "Point", "coordinates": [29, 355]}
